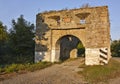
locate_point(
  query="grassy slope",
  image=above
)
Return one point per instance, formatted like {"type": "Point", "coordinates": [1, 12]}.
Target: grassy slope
{"type": "Point", "coordinates": [98, 73]}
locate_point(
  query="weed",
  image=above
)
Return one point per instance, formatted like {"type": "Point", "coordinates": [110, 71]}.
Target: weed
{"type": "Point", "coordinates": [24, 67]}
{"type": "Point", "coordinates": [11, 68]}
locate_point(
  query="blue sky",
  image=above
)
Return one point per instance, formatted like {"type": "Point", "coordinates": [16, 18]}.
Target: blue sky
{"type": "Point", "coordinates": [12, 9]}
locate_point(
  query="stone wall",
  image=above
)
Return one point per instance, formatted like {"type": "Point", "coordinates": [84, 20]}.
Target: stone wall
{"type": "Point", "coordinates": [90, 25]}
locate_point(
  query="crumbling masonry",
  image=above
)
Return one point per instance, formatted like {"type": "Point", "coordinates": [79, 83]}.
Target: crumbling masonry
{"type": "Point", "coordinates": [90, 26]}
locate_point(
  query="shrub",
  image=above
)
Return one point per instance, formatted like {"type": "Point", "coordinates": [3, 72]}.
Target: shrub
{"type": "Point", "coordinates": [20, 67]}
{"type": "Point", "coordinates": [11, 68]}
{"type": "Point", "coordinates": [115, 48]}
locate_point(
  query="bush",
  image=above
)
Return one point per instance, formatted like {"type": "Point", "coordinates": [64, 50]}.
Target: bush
{"type": "Point", "coordinates": [115, 48]}
{"type": "Point", "coordinates": [11, 68]}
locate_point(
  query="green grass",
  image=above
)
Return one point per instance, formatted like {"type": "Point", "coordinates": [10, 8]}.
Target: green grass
{"type": "Point", "coordinates": [24, 67]}
{"type": "Point", "coordinates": [99, 73]}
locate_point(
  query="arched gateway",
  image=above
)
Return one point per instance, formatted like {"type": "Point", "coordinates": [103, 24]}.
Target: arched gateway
{"type": "Point", "coordinates": [58, 34]}
{"type": "Point", "coordinates": [67, 47]}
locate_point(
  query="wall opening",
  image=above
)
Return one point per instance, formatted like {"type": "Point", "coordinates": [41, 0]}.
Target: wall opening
{"type": "Point", "coordinates": [54, 20]}
{"type": "Point", "coordinates": [68, 46]}
{"type": "Point", "coordinates": [82, 21]}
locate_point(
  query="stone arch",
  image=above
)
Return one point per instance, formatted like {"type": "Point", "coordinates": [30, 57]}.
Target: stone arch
{"type": "Point", "coordinates": [66, 47]}
{"type": "Point", "coordinates": [90, 25]}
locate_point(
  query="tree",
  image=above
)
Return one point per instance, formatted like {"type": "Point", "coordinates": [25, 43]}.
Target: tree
{"type": "Point", "coordinates": [21, 40]}
{"type": "Point", "coordinates": [3, 40]}
{"type": "Point", "coordinates": [3, 32]}
{"type": "Point", "coordinates": [115, 48]}
{"type": "Point", "coordinates": [81, 49]}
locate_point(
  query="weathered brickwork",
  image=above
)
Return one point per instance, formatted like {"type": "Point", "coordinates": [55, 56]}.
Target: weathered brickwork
{"type": "Point", "coordinates": [90, 25]}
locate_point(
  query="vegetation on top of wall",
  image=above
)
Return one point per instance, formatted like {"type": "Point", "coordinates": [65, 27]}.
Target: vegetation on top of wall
{"type": "Point", "coordinates": [87, 5]}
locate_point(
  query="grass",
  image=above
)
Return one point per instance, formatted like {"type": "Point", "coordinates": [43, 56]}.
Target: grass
{"type": "Point", "coordinates": [14, 69]}
{"type": "Point", "coordinates": [99, 73]}
{"type": "Point", "coordinates": [27, 67]}
{"type": "Point", "coordinates": [24, 67]}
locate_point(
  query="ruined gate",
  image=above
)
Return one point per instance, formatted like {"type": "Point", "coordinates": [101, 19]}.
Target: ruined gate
{"type": "Point", "coordinates": [89, 25]}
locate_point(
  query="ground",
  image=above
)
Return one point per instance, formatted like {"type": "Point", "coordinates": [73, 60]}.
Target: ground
{"type": "Point", "coordinates": [116, 80]}
{"type": "Point", "coordinates": [65, 73]}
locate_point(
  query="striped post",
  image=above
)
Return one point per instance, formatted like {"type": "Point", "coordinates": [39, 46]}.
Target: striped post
{"type": "Point", "coordinates": [103, 56]}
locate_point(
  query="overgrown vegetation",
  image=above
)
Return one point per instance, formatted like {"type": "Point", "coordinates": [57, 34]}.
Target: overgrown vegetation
{"type": "Point", "coordinates": [98, 73]}
{"type": "Point", "coordinates": [24, 67]}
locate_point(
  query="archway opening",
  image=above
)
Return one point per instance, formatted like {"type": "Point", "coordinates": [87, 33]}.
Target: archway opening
{"type": "Point", "coordinates": [68, 46]}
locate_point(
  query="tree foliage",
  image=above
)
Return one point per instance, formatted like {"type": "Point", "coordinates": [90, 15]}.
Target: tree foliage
{"type": "Point", "coordinates": [21, 39]}
{"type": "Point", "coordinates": [3, 32]}
{"type": "Point", "coordinates": [17, 46]}
{"type": "Point", "coordinates": [81, 49]}
{"type": "Point", "coordinates": [3, 40]}
{"type": "Point", "coordinates": [21, 36]}
{"type": "Point", "coordinates": [115, 48]}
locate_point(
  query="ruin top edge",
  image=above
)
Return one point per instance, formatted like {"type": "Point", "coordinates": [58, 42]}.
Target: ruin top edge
{"type": "Point", "coordinates": [68, 10]}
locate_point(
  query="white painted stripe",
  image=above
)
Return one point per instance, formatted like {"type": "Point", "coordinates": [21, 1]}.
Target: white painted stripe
{"type": "Point", "coordinates": [105, 61]}
{"type": "Point", "coordinates": [103, 55]}
{"type": "Point", "coordinates": [104, 49]}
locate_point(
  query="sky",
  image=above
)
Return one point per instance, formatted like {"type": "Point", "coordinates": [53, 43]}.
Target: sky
{"type": "Point", "coordinates": [12, 9]}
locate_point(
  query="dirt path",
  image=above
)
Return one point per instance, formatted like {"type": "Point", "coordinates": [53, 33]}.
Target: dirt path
{"type": "Point", "coordinates": [65, 73]}
{"type": "Point", "coordinates": [116, 58]}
